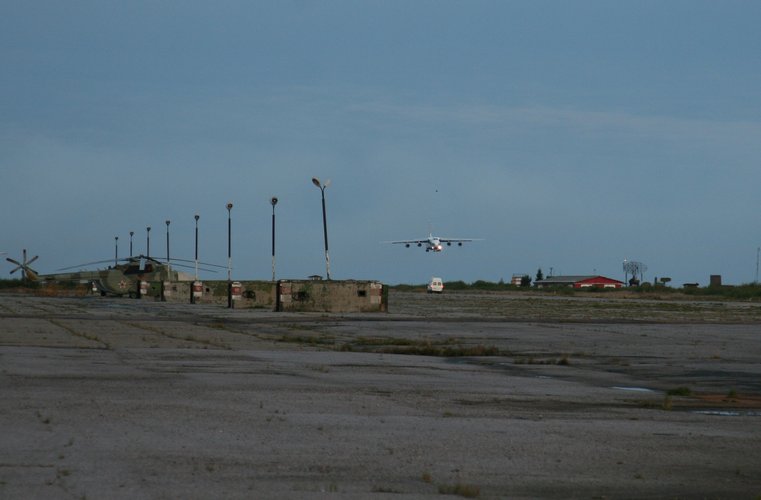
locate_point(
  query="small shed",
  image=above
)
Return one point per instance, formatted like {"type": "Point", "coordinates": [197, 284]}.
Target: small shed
{"type": "Point", "coordinates": [580, 282]}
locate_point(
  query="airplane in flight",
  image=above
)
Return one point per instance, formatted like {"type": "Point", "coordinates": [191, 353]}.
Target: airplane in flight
{"type": "Point", "coordinates": [434, 243]}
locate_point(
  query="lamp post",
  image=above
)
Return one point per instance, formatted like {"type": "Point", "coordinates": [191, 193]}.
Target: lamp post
{"type": "Point", "coordinates": [116, 250]}
{"type": "Point", "coordinates": [131, 233]}
{"type": "Point", "coordinates": [197, 217]}
{"type": "Point", "coordinates": [167, 242]}
{"type": "Point", "coordinates": [322, 187]}
{"type": "Point", "coordinates": [274, 202]}
{"type": "Point", "coordinates": [148, 241]}
{"type": "Point", "coordinates": [229, 257]}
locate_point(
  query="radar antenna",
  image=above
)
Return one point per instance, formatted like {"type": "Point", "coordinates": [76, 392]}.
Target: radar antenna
{"type": "Point", "coordinates": [633, 268]}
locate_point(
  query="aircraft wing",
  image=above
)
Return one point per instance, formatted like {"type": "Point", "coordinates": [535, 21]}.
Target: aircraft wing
{"type": "Point", "coordinates": [458, 240]}
{"type": "Point", "coordinates": [407, 242]}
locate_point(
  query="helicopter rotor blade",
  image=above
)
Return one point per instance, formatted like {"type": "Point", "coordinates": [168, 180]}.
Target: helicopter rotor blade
{"type": "Point", "coordinates": [78, 266]}
{"type": "Point", "coordinates": [187, 266]}
{"type": "Point", "coordinates": [208, 270]}
{"type": "Point", "coordinates": [192, 262]}
{"type": "Point", "coordinates": [24, 266]}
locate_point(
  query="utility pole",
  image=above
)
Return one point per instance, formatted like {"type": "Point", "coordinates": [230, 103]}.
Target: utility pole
{"type": "Point", "coordinates": [273, 201]}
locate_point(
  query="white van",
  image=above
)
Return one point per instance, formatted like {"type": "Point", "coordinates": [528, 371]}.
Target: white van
{"type": "Point", "coordinates": [435, 285]}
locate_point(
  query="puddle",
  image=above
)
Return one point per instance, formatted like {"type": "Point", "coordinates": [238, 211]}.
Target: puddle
{"type": "Point", "coordinates": [634, 389]}
{"type": "Point", "coordinates": [726, 413]}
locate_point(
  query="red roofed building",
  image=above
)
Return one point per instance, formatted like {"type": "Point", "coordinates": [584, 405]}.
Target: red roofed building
{"type": "Point", "coordinates": [580, 282]}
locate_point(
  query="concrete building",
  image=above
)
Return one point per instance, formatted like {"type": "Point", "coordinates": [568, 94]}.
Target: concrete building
{"type": "Point", "coordinates": [579, 282]}
{"type": "Point", "coordinates": [344, 296]}
{"type": "Point", "coordinates": [517, 279]}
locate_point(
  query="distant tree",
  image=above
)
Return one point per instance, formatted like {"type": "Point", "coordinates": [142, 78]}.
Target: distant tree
{"type": "Point", "coordinates": [525, 280]}
{"type": "Point", "coordinates": [539, 275]}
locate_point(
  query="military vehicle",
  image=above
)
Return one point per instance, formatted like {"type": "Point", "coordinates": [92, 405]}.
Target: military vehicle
{"type": "Point", "coordinates": [118, 279]}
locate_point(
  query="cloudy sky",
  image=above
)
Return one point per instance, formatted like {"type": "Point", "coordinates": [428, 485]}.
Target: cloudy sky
{"type": "Point", "coordinates": [569, 135]}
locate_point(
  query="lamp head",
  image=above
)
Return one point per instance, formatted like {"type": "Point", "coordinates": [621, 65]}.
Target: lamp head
{"type": "Point", "coordinates": [274, 201]}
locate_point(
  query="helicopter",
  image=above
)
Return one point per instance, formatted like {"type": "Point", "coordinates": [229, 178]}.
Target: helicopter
{"type": "Point", "coordinates": [118, 279]}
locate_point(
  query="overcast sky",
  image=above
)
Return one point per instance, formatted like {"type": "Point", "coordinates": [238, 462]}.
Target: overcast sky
{"type": "Point", "coordinates": [570, 135]}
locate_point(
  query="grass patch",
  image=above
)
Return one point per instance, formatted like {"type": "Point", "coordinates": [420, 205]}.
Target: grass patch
{"type": "Point", "coordinates": [563, 360]}
{"type": "Point", "coordinates": [459, 489]}
{"type": "Point", "coordinates": [444, 348]}
{"type": "Point", "coordinates": [72, 331]}
{"type": "Point", "coordinates": [392, 345]}
{"type": "Point", "coordinates": [679, 391]}
{"type": "Point", "coordinates": [441, 351]}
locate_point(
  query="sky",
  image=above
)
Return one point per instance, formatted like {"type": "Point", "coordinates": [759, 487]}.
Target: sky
{"type": "Point", "coordinates": [570, 136]}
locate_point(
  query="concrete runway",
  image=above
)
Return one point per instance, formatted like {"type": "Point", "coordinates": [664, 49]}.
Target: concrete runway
{"type": "Point", "coordinates": [117, 398]}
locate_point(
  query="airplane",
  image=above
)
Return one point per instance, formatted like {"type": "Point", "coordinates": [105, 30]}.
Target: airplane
{"type": "Point", "coordinates": [434, 243]}
{"type": "Point", "coordinates": [118, 279]}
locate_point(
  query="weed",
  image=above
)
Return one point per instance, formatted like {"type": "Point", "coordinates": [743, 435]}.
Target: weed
{"type": "Point", "coordinates": [564, 360]}
{"type": "Point", "coordinates": [732, 394]}
{"type": "Point", "coordinates": [679, 391]}
{"type": "Point", "coordinates": [428, 349]}
{"type": "Point", "coordinates": [72, 331]}
{"type": "Point", "coordinates": [667, 404]}
{"type": "Point", "coordinates": [426, 477]}
{"type": "Point", "coordinates": [383, 489]}
{"type": "Point", "coordinates": [463, 490]}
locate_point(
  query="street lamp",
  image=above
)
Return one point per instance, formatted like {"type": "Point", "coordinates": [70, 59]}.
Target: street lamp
{"type": "Point", "coordinates": [167, 242]}
{"type": "Point", "coordinates": [148, 242]}
{"type": "Point", "coordinates": [197, 217]}
{"type": "Point", "coordinates": [116, 250]}
{"type": "Point", "coordinates": [274, 202]}
{"type": "Point", "coordinates": [322, 187]}
{"type": "Point", "coordinates": [229, 257]}
{"type": "Point", "coordinates": [131, 233]}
